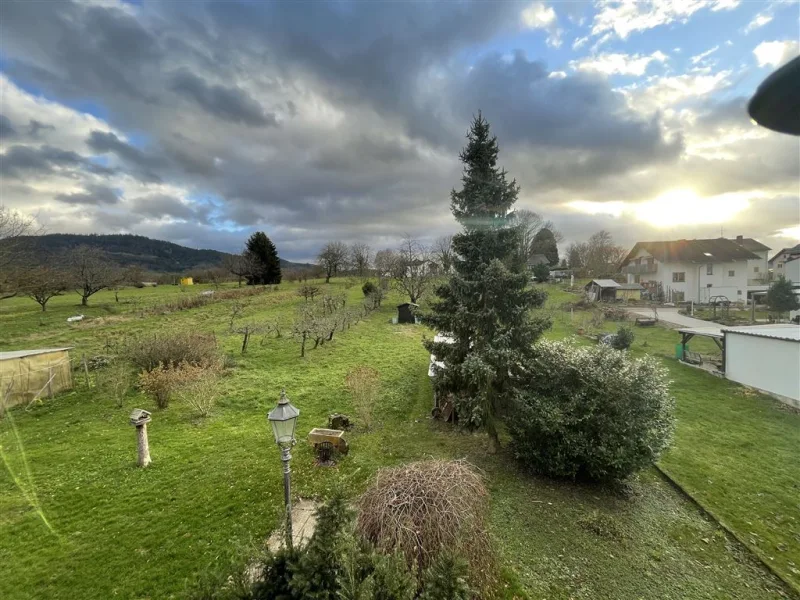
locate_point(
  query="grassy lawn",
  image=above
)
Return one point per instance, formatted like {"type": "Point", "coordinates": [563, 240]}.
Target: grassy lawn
{"type": "Point", "coordinates": [735, 450]}
{"type": "Point", "coordinates": [215, 484]}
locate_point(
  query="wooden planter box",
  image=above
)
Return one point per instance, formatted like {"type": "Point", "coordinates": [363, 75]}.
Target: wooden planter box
{"type": "Point", "coordinates": [334, 436]}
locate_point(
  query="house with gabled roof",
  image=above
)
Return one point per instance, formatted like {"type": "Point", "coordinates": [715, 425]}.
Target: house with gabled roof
{"type": "Point", "coordinates": [683, 270]}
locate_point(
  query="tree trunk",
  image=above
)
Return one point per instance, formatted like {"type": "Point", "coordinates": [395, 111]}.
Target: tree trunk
{"type": "Point", "coordinates": [44, 306]}
{"type": "Point", "coordinates": [84, 300]}
{"type": "Point", "coordinates": [143, 446]}
{"type": "Point", "coordinates": [303, 346]}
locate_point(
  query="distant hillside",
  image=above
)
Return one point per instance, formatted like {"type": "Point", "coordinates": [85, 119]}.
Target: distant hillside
{"type": "Point", "coordinates": [136, 250]}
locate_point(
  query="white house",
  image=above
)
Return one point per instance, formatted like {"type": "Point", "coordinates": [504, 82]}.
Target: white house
{"type": "Point", "coordinates": [777, 263]}
{"type": "Point", "coordinates": [684, 270]}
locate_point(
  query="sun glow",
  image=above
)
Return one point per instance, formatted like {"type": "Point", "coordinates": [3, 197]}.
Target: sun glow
{"type": "Point", "coordinates": [685, 207]}
{"type": "Point", "coordinates": [673, 207]}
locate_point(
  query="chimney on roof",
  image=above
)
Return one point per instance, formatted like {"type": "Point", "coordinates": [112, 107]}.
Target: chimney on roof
{"type": "Point", "coordinates": [739, 238]}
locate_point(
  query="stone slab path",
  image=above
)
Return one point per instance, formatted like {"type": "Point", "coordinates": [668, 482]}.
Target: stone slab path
{"type": "Point", "coordinates": [304, 522]}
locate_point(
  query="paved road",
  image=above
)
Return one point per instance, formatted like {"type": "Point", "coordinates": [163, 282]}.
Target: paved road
{"type": "Point", "coordinates": [671, 316]}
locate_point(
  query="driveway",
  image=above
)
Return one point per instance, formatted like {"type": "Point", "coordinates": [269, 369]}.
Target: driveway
{"type": "Point", "coordinates": [670, 315]}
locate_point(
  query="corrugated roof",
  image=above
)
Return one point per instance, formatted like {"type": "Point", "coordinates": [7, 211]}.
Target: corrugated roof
{"type": "Point", "coordinates": [778, 331]}
{"type": "Point", "coordinates": [24, 353]}
{"type": "Point", "coordinates": [701, 251]}
{"type": "Point", "coordinates": [605, 283]}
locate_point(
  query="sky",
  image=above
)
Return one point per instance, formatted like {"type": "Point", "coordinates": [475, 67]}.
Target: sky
{"type": "Point", "coordinates": [201, 122]}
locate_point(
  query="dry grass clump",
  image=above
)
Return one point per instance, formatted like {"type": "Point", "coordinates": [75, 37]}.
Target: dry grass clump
{"type": "Point", "coordinates": [363, 383]}
{"type": "Point", "coordinates": [171, 349]}
{"type": "Point", "coordinates": [425, 508]}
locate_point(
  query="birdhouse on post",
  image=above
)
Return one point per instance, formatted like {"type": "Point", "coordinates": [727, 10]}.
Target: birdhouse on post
{"type": "Point", "coordinates": [140, 418]}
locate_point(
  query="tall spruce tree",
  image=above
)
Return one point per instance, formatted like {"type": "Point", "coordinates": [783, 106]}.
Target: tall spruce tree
{"type": "Point", "coordinates": [266, 266]}
{"type": "Point", "coordinates": [485, 306]}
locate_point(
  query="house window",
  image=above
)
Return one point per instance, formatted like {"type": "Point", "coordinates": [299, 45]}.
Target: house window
{"type": "Point", "coordinates": [710, 269]}
{"type": "Point", "coordinates": [780, 265]}
{"type": "Point", "coordinates": [738, 292]}
{"type": "Point", "coordinates": [731, 273]}
{"type": "Point", "coordinates": [755, 269]}
{"type": "Point", "coordinates": [708, 285]}
{"type": "Point", "coordinates": [678, 277]}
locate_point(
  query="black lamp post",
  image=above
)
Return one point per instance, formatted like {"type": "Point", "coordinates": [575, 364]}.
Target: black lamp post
{"type": "Point", "coordinates": [283, 419]}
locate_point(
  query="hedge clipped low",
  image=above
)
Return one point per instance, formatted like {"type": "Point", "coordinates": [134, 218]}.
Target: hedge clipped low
{"type": "Point", "coordinates": [591, 412]}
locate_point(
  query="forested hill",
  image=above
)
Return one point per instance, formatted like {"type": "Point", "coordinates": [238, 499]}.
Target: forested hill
{"type": "Point", "coordinates": [134, 250]}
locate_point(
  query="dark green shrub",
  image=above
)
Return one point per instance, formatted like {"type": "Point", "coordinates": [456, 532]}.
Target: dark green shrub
{"type": "Point", "coordinates": [541, 272]}
{"type": "Point", "coordinates": [623, 338]}
{"type": "Point", "coordinates": [368, 288]}
{"type": "Point", "coordinates": [591, 412]}
{"type": "Point", "coordinates": [314, 574]}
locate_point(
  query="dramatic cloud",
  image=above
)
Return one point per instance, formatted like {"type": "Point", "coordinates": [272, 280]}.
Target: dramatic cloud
{"type": "Point", "coordinates": [200, 122]}
{"type": "Point", "coordinates": [621, 18]}
{"type": "Point", "coordinates": [540, 16]}
{"type": "Point", "coordinates": [93, 195]}
{"type": "Point", "coordinates": [774, 54]}
{"type": "Point", "coordinates": [618, 64]}
{"type": "Point", "coordinates": [231, 104]}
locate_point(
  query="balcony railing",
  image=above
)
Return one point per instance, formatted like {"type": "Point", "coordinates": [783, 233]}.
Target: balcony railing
{"type": "Point", "coordinates": [641, 269]}
{"type": "Point", "coordinates": [760, 281]}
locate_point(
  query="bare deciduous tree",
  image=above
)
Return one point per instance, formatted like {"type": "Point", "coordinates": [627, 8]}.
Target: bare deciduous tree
{"type": "Point", "coordinates": [91, 271]}
{"type": "Point", "coordinates": [14, 226]}
{"type": "Point", "coordinates": [332, 258]}
{"type": "Point", "coordinates": [238, 265]}
{"type": "Point", "coordinates": [529, 224]}
{"type": "Point", "coordinates": [360, 257]}
{"type": "Point", "coordinates": [411, 271]}
{"type": "Point", "coordinates": [43, 283]}
{"type": "Point", "coordinates": [384, 263]}
{"type": "Point", "coordinates": [603, 256]}
{"type": "Point", "coordinates": [442, 252]}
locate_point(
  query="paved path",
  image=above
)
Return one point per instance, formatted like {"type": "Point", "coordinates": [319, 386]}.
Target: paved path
{"type": "Point", "coordinates": [670, 316]}
{"type": "Point", "coordinates": [304, 521]}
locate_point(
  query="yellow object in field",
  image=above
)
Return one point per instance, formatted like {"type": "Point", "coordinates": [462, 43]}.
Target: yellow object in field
{"type": "Point", "coordinates": [186, 281]}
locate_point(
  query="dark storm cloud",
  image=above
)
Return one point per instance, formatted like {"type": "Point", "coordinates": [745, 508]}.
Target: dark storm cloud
{"type": "Point", "coordinates": [93, 195]}
{"type": "Point", "coordinates": [161, 205]}
{"type": "Point", "coordinates": [104, 142]}
{"type": "Point", "coordinates": [228, 103]}
{"type": "Point", "coordinates": [19, 160]}
{"type": "Point", "coordinates": [579, 112]}
{"type": "Point", "coordinates": [6, 128]}
{"type": "Point", "coordinates": [34, 127]}
{"type": "Point", "coordinates": [78, 49]}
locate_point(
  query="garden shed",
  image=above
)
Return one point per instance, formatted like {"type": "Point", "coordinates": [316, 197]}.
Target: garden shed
{"type": "Point", "coordinates": [32, 373]}
{"type": "Point", "coordinates": [765, 357]}
{"type": "Point", "coordinates": [629, 291]}
{"type": "Point", "coordinates": [601, 290]}
{"type": "Point", "coordinates": [405, 312]}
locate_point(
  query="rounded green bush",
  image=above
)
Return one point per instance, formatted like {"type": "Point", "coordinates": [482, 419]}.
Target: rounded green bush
{"type": "Point", "coordinates": [591, 412]}
{"type": "Point", "coordinates": [368, 288]}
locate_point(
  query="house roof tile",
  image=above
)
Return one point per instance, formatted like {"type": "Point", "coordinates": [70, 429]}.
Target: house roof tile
{"type": "Point", "coordinates": [700, 251]}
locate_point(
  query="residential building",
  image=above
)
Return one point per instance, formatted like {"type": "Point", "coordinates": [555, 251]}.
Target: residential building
{"type": "Point", "coordinates": [784, 255]}
{"type": "Point", "coordinates": [787, 263]}
{"type": "Point", "coordinates": [684, 270]}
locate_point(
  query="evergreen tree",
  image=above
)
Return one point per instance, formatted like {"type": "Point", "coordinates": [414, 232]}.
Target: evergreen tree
{"type": "Point", "coordinates": [485, 306]}
{"type": "Point", "coordinates": [544, 242]}
{"type": "Point", "coordinates": [446, 579]}
{"type": "Point", "coordinates": [266, 266]}
{"type": "Point", "coordinates": [781, 297]}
